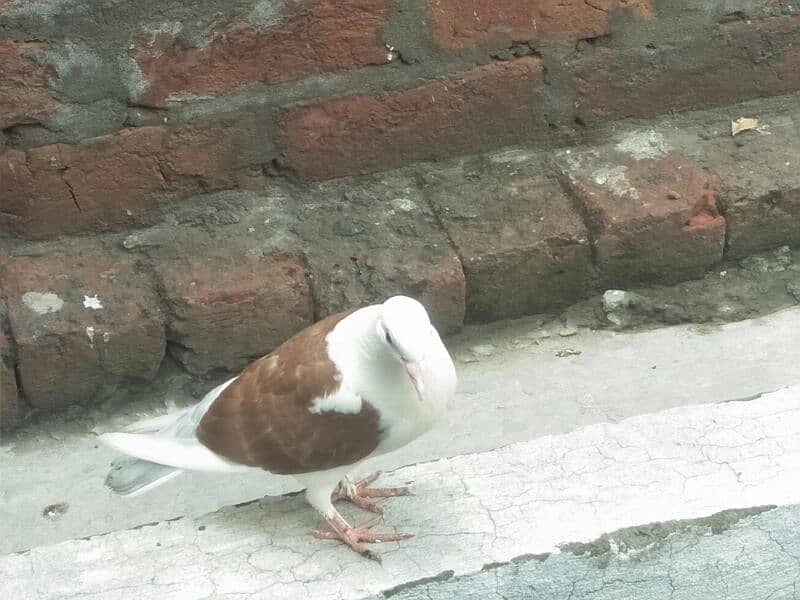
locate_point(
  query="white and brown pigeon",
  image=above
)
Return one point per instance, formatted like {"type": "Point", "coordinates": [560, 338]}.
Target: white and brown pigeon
{"type": "Point", "coordinates": [352, 386]}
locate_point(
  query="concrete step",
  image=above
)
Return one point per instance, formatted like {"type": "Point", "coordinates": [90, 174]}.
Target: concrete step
{"type": "Point", "coordinates": [514, 387]}
{"type": "Point", "coordinates": [529, 520]}
{"type": "Point", "coordinates": [735, 554]}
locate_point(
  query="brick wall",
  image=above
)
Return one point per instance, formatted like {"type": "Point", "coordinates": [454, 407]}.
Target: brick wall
{"type": "Point", "coordinates": [110, 109]}
{"type": "Point", "coordinates": [117, 118]}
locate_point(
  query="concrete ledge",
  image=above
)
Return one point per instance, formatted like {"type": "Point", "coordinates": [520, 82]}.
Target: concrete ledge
{"type": "Point", "coordinates": [469, 514]}
{"type": "Point", "coordinates": [512, 383]}
{"type": "Point", "coordinates": [736, 554]}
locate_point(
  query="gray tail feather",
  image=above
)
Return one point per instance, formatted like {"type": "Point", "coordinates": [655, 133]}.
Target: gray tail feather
{"type": "Point", "coordinates": [129, 475]}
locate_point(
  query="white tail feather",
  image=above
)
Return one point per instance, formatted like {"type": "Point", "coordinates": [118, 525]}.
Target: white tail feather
{"type": "Point", "coordinates": [153, 424]}
{"type": "Point", "coordinates": [173, 452]}
{"type": "Point", "coordinates": [154, 484]}
{"type": "Point", "coordinates": [131, 476]}
{"type": "Point", "coordinates": [159, 448]}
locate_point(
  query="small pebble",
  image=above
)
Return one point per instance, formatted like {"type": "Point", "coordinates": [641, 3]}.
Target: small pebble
{"type": "Point", "coordinates": [54, 511]}
{"type": "Point", "coordinates": [567, 352]}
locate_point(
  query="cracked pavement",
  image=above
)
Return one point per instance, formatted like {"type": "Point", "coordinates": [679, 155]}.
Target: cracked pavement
{"type": "Point", "coordinates": [746, 561]}
{"type": "Point", "coordinates": [650, 483]}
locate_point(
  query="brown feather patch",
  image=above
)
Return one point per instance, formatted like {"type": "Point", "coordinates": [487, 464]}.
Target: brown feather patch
{"type": "Point", "coordinates": [262, 419]}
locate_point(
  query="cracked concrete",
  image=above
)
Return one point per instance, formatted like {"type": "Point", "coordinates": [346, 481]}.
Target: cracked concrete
{"type": "Point", "coordinates": [502, 523]}
{"type": "Point", "coordinates": [561, 484]}
{"type": "Point", "coordinates": [747, 561]}
{"type": "Point", "coordinates": [513, 385]}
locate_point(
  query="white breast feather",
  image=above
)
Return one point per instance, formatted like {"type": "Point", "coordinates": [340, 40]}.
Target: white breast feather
{"type": "Point", "coordinates": [341, 401]}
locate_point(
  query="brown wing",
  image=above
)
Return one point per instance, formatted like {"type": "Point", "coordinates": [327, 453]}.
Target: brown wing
{"type": "Point", "coordinates": [262, 418]}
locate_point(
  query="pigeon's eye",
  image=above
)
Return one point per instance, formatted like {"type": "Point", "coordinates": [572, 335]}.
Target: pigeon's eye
{"type": "Point", "coordinates": [389, 339]}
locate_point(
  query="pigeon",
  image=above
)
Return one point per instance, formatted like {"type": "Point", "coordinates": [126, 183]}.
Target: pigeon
{"type": "Point", "coordinates": [350, 387]}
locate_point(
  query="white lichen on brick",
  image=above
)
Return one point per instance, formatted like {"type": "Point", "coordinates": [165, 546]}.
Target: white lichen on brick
{"type": "Point", "coordinates": [267, 12]}
{"type": "Point", "coordinates": [42, 302]}
{"type": "Point", "coordinates": [615, 179]}
{"type": "Point", "coordinates": [92, 302]}
{"type": "Point", "coordinates": [644, 144]}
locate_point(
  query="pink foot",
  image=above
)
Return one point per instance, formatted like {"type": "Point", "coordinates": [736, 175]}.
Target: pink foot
{"type": "Point", "coordinates": [361, 495]}
{"type": "Point", "coordinates": [353, 536]}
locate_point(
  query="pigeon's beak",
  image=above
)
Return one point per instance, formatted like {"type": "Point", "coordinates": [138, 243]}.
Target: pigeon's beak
{"type": "Point", "coordinates": [415, 374]}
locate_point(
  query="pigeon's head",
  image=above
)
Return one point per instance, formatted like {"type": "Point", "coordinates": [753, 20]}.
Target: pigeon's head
{"type": "Point", "coordinates": [406, 331]}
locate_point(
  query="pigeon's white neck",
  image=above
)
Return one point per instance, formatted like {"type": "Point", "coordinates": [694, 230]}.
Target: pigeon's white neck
{"type": "Point", "coordinates": [371, 370]}
{"type": "Point", "coordinates": [358, 351]}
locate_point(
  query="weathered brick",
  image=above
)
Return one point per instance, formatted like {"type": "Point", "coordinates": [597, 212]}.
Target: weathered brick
{"type": "Point", "coordinates": [728, 64]}
{"type": "Point", "coordinates": [9, 400]}
{"type": "Point", "coordinates": [488, 107]}
{"type": "Point", "coordinates": [462, 23]}
{"type": "Point", "coordinates": [25, 95]}
{"type": "Point", "coordinates": [317, 37]}
{"type": "Point", "coordinates": [116, 179]}
{"type": "Point", "coordinates": [82, 319]}
{"type": "Point", "coordinates": [231, 296]}
{"type": "Point", "coordinates": [652, 215]}
{"type": "Point", "coordinates": [523, 245]}
{"type": "Point", "coordinates": [760, 174]}
{"type": "Point", "coordinates": [373, 239]}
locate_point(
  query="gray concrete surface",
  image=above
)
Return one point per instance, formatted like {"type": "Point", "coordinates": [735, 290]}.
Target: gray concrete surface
{"type": "Point", "coordinates": [514, 387]}
{"type": "Point", "coordinates": [480, 514]}
{"type": "Point", "coordinates": [734, 555]}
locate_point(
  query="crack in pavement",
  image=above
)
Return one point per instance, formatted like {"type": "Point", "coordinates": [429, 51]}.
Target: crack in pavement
{"type": "Point", "coordinates": [470, 511]}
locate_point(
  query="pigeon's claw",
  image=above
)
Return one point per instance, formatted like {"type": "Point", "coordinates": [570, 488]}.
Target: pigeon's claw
{"type": "Point", "coordinates": [360, 494]}
{"type": "Point", "coordinates": [361, 501]}
{"type": "Point", "coordinates": [353, 536]}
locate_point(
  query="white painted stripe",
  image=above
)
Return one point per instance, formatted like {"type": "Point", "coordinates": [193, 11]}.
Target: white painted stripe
{"type": "Point", "coordinates": [468, 511]}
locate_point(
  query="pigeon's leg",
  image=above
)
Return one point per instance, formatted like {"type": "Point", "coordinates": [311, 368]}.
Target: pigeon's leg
{"type": "Point", "coordinates": [319, 493]}
{"type": "Point", "coordinates": [353, 536]}
{"type": "Point", "coordinates": [360, 494]}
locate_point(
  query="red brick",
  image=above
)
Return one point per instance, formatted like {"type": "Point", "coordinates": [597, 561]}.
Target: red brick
{"type": "Point", "coordinates": [25, 95]}
{"type": "Point", "coordinates": [463, 23]}
{"type": "Point", "coordinates": [489, 107]}
{"type": "Point", "coordinates": [522, 243]}
{"type": "Point", "coordinates": [9, 400]}
{"type": "Point", "coordinates": [737, 62]}
{"type": "Point", "coordinates": [760, 175]}
{"type": "Point", "coordinates": [67, 351]}
{"type": "Point", "coordinates": [112, 180]}
{"type": "Point", "coordinates": [375, 239]}
{"type": "Point", "coordinates": [656, 218]}
{"type": "Point", "coordinates": [229, 300]}
{"type": "Point", "coordinates": [318, 37]}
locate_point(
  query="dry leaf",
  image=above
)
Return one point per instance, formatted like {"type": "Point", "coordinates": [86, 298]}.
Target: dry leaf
{"type": "Point", "coordinates": [743, 124]}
